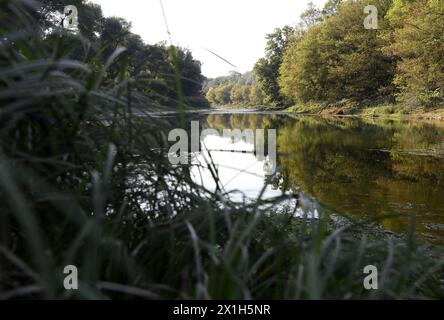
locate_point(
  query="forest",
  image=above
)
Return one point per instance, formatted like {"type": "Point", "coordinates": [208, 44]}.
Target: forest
{"type": "Point", "coordinates": [237, 89]}
{"type": "Point", "coordinates": [330, 60]}
{"type": "Point", "coordinates": [151, 67]}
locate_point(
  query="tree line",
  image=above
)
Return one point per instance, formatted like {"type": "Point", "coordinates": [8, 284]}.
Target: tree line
{"type": "Point", "coordinates": [331, 57]}
{"type": "Point", "coordinates": [165, 73]}
{"type": "Point", "coordinates": [235, 89]}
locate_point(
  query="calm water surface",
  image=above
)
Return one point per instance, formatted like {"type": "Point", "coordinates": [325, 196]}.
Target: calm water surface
{"type": "Point", "coordinates": [365, 168]}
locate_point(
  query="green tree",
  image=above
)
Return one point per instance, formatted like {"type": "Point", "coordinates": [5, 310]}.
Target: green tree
{"type": "Point", "coordinates": [330, 7]}
{"type": "Point", "coordinates": [190, 73]}
{"type": "Point", "coordinates": [211, 95]}
{"type": "Point", "coordinates": [267, 68]}
{"type": "Point", "coordinates": [417, 40]}
{"type": "Point", "coordinates": [149, 66]}
{"type": "Point", "coordinates": [337, 59]}
{"type": "Point", "coordinates": [303, 72]}
{"type": "Point", "coordinates": [311, 16]}
{"type": "Point", "coordinates": [245, 92]}
{"type": "Point", "coordinates": [234, 89]}
{"type": "Point", "coordinates": [256, 95]}
{"type": "Point", "coordinates": [223, 94]}
{"type": "Point", "coordinates": [236, 96]}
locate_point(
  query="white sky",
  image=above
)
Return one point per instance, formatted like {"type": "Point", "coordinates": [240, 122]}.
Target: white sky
{"type": "Point", "coordinates": [234, 29]}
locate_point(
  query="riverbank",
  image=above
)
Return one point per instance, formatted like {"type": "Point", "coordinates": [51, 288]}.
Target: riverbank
{"type": "Point", "coordinates": [370, 109]}
{"type": "Point", "coordinates": [378, 107]}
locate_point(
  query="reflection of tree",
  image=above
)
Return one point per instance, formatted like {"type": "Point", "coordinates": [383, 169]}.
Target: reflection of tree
{"type": "Point", "coordinates": [244, 121]}
{"type": "Point", "coordinates": [344, 164]}
{"type": "Point", "coordinates": [366, 168]}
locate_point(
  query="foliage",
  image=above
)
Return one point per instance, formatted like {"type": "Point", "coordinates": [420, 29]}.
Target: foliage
{"type": "Point", "coordinates": [312, 15]}
{"type": "Point", "coordinates": [330, 7]}
{"type": "Point", "coordinates": [267, 68]}
{"type": "Point", "coordinates": [236, 89]}
{"type": "Point", "coordinates": [338, 59]}
{"type": "Point", "coordinates": [417, 40]}
{"type": "Point", "coordinates": [151, 67]}
{"type": "Point", "coordinates": [334, 58]}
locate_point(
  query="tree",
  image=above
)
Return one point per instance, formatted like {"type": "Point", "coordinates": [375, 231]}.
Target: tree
{"type": "Point", "coordinates": [92, 20]}
{"type": "Point", "coordinates": [416, 38]}
{"type": "Point", "coordinates": [190, 73]}
{"type": "Point", "coordinates": [211, 95]}
{"type": "Point", "coordinates": [330, 7]}
{"type": "Point", "coordinates": [223, 94]}
{"type": "Point", "coordinates": [303, 72]}
{"type": "Point", "coordinates": [245, 93]}
{"type": "Point", "coordinates": [115, 33]}
{"type": "Point", "coordinates": [236, 95]}
{"type": "Point", "coordinates": [256, 95]}
{"type": "Point", "coordinates": [311, 16]}
{"type": "Point", "coordinates": [337, 59]}
{"type": "Point", "coordinates": [234, 89]}
{"type": "Point", "coordinates": [150, 66]}
{"type": "Point", "coordinates": [267, 68]}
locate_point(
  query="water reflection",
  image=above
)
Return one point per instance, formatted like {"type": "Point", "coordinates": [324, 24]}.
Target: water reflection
{"type": "Point", "coordinates": [363, 168]}
{"type": "Point", "coordinates": [240, 170]}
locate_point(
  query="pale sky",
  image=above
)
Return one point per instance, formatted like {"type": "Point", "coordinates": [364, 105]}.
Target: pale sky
{"type": "Point", "coordinates": [234, 29]}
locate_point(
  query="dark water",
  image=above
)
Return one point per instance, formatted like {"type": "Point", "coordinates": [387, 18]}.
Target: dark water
{"type": "Point", "coordinates": [364, 168]}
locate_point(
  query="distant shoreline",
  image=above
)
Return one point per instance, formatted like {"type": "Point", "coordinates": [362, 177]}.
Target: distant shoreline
{"type": "Point", "coordinates": [394, 111]}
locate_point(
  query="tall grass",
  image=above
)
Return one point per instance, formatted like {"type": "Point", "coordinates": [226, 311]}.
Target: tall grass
{"type": "Point", "coordinates": [85, 182]}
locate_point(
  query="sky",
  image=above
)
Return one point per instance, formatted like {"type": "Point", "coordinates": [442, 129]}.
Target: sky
{"type": "Point", "coordinates": [233, 29]}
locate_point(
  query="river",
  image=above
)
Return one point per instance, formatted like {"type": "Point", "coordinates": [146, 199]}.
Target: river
{"type": "Point", "coordinates": [384, 170]}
